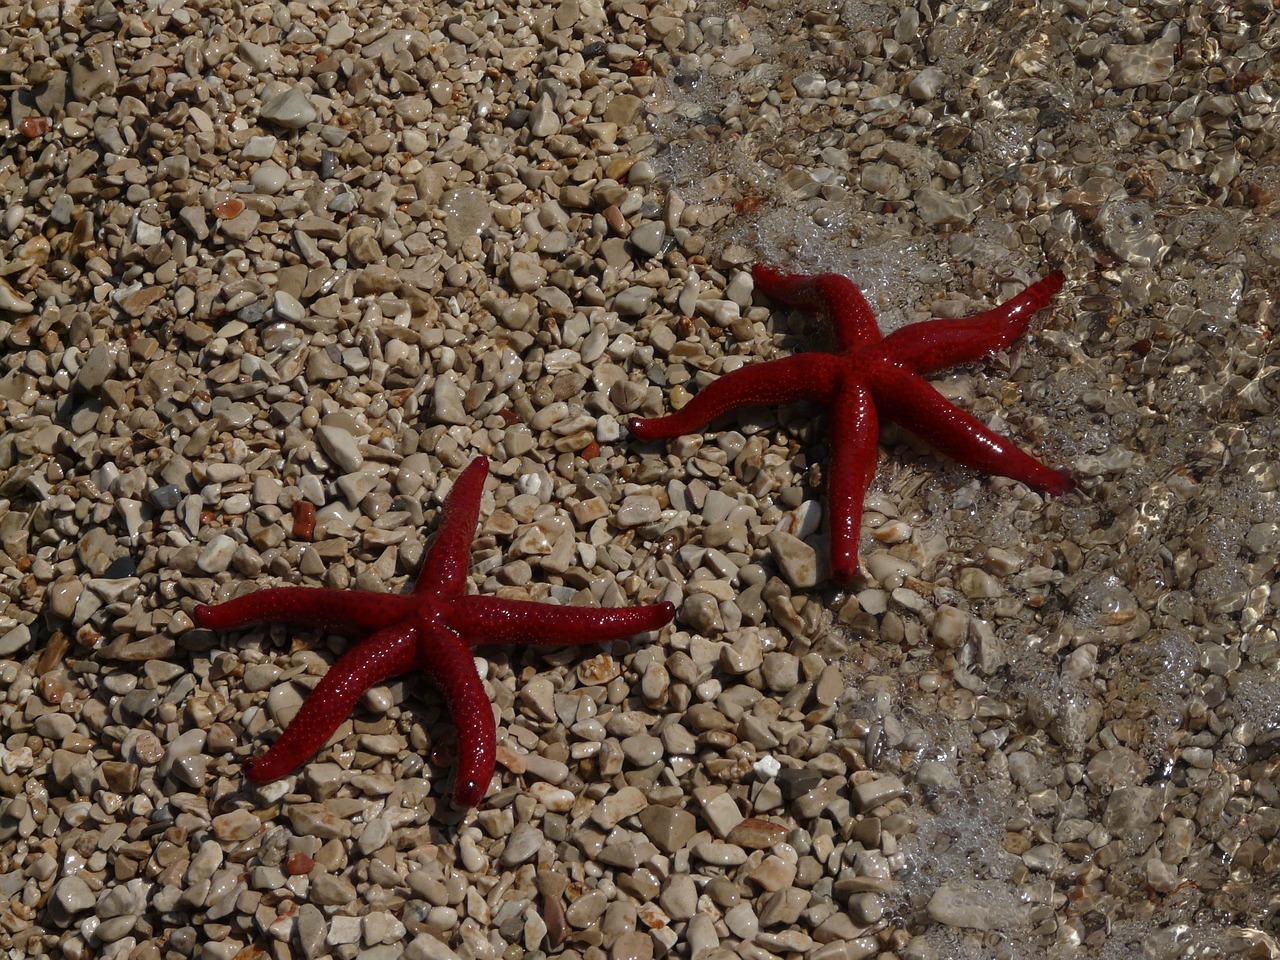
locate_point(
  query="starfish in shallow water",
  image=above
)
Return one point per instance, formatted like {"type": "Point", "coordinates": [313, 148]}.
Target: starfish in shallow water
{"type": "Point", "coordinates": [432, 630]}
{"type": "Point", "coordinates": [869, 377]}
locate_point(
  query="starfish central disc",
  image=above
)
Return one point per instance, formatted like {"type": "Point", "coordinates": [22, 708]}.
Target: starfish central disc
{"type": "Point", "coordinates": [869, 377]}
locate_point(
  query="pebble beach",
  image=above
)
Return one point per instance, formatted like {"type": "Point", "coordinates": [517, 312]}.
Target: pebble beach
{"type": "Point", "coordinates": [273, 274]}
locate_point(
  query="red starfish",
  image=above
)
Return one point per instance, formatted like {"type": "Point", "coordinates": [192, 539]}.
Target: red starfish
{"type": "Point", "coordinates": [870, 376]}
{"type": "Point", "coordinates": [432, 630]}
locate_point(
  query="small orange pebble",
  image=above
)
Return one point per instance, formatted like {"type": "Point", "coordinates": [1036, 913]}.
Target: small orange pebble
{"type": "Point", "coordinates": [304, 520]}
{"type": "Point", "coordinates": [748, 204]}
{"type": "Point", "coordinates": [228, 208]}
{"type": "Point", "coordinates": [298, 863]}
{"type": "Point", "coordinates": [639, 68]}
{"type": "Point", "coordinates": [207, 517]}
{"type": "Point", "coordinates": [590, 451]}
{"type": "Point", "coordinates": [32, 127]}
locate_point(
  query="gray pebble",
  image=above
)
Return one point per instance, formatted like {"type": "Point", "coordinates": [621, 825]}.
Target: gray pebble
{"type": "Point", "coordinates": [341, 447]}
{"type": "Point", "coordinates": [71, 895]}
{"type": "Point", "coordinates": [291, 109]}
{"type": "Point", "coordinates": [637, 510]}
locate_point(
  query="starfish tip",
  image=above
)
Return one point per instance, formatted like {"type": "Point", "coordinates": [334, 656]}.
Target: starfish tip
{"type": "Point", "coordinates": [469, 793]}
{"type": "Point", "coordinates": [254, 770]}
{"type": "Point", "coordinates": [640, 428]}
{"type": "Point", "coordinates": [842, 574]}
{"type": "Point", "coordinates": [1064, 483]}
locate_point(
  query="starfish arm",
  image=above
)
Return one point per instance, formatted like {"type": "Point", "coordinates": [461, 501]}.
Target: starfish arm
{"type": "Point", "coordinates": [855, 434]}
{"type": "Point", "coordinates": [838, 297]}
{"type": "Point", "coordinates": [937, 344]}
{"type": "Point", "coordinates": [444, 571]}
{"type": "Point", "coordinates": [805, 376]}
{"type": "Point", "coordinates": [354, 612]}
{"type": "Point", "coordinates": [490, 620]}
{"type": "Point", "coordinates": [447, 662]}
{"type": "Point", "coordinates": [386, 654]}
{"type": "Point", "coordinates": [911, 401]}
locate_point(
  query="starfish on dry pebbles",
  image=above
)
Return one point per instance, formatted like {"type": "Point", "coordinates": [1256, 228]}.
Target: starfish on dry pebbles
{"type": "Point", "coordinates": [432, 630]}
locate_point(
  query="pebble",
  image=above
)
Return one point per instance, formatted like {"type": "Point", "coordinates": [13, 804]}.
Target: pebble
{"type": "Point", "coordinates": [616, 807]}
{"type": "Point", "coordinates": [648, 238]}
{"type": "Point", "coordinates": [636, 511]}
{"type": "Point", "coordinates": [720, 812]}
{"type": "Point", "coordinates": [976, 905]}
{"type": "Point", "coordinates": [14, 640]}
{"type": "Point", "coordinates": [1133, 65]}
{"type": "Point", "coordinates": [524, 842]}
{"type": "Point", "coordinates": [796, 560]}
{"type": "Point", "coordinates": [71, 895]}
{"type": "Point", "coordinates": [341, 447]}
{"type": "Point", "coordinates": [869, 794]}
{"type": "Point", "coordinates": [669, 828]}
{"type": "Point", "coordinates": [291, 109]}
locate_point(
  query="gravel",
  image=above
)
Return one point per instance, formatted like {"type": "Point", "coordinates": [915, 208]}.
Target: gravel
{"type": "Point", "coordinates": [269, 277]}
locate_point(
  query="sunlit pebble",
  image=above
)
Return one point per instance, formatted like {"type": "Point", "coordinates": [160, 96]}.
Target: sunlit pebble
{"type": "Point", "coordinates": [229, 208]}
{"type": "Point", "coordinates": [298, 863]}
{"type": "Point", "coordinates": [599, 669]}
{"type": "Point", "coordinates": [89, 637]}
{"type": "Point", "coordinates": [52, 689]}
{"type": "Point", "coordinates": [32, 127]}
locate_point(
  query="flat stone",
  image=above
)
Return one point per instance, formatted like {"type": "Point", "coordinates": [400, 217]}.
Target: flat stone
{"type": "Point", "coordinates": [796, 560]}
{"type": "Point", "coordinates": [1137, 64]}
{"type": "Point", "coordinates": [70, 896]}
{"type": "Point", "coordinates": [637, 510]}
{"type": "Point", "coordinates": [341, 447]}
{"type": "Point", "coordinates": [617, 806]}
{"type": "Point", "coordinates": [873, 793]}
{"type": "Point", "coordinates": [978, 905]}
{"type": "Point", "coordinates": [669, 828]}
{"type": "Point", "coordinates": [292, 109]}
{"type": "Point", "coordinates": [523, 843]}
{"type": "Point", "coordinates": [719, 810]}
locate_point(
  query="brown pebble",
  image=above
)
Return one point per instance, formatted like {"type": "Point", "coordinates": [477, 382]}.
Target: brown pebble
{"type": "Point", "coordinates": [298, 863]}
{"type": "Point", "coordinates": [756, 834]}
{"type": "Point", "coordinates": [54, 653]}
{"type": "Point", "coordinates": [32, 127]}
{"type": "Point", "coordinates": [304, 520]}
